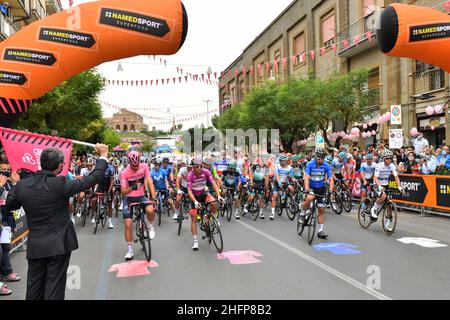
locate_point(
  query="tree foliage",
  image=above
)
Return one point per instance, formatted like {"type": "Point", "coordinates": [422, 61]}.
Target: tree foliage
{"type": "Point", "coordinates": [300, 107]}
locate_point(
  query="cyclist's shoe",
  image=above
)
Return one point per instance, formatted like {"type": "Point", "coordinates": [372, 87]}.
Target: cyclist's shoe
{"type": "Point", "coordinates": [373, 213]}
{"type": "Point", "coordinates": [4, 291]}
{"type": "Point", "coordinates": [12, 277]}
{"type": "Point", "coordinates": [237, 216]}
{"type": "Point", "coordinates": [73, 220]}
{"type": "Point", "coordinates": [93, 221]}
{"type": "Point", "coordinates": [387, 225]}
{"type": "Point", "coordinates": [175, 216]}
{"type": "Point", "coordinates": [245, 209]}
{"type": "Point", "coordinates": [129, 256]}
{"type": "Point", "coordinates": [301, 219]}
{"type": "Point", "coordinates": [151, 232]}
{"type": "Point", "coordinates": [272, 216]}
{"type": "Point", "coordinates": [195, 245]}
{"type": "Point", "coordinates": [262, 216]}
{"type": "Point", "coordinates": [322, 235]}
{"type": "Point", "coordinates": [111, 226]}
{"type": "Point", "coordinates": [79, 214]}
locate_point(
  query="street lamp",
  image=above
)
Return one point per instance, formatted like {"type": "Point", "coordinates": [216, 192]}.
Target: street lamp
{"type": "Point", "coordinates": [207, 112]}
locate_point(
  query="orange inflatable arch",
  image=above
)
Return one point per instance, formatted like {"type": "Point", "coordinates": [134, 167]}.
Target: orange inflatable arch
{"type": "Point", "coordinates": [415, 32]}
{"type": "Point", "coordinates": [44, 54]}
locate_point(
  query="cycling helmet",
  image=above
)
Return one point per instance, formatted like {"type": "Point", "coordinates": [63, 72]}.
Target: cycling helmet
{"type": "Point", "coordinates": [133, 158]}
{"type": "Point", "coordinates": [284, 158]}
{"type": "Point", "coordinates": [369, 156]}
{"type": "Point", "coordinates": [142, 159]}
{"type": "Point", "coordinates": [158, 162]}
{"type": "Point", "coordinates": [232, 165]}
{"type": "Point", "coordinates": [296, 158]}
{"type": "Point", "coordinates": [329, 159]}
{"type": "Point", "coordinates": [197, 161]}
{"type": "Point", "coordinates": [386, 154]}
{"type": "Point", "coordinates": [207, 160]}
{"type": "Point", "coordinates": [116, 163]}
{"type": "Point", "coordinates": [320, 154]}
{"type": "Point", "coordinates": [343, 155]}
{"type": "Point", "coordinates": [166, 160]}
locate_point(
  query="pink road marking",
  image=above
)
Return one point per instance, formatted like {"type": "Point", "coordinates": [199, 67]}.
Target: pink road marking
{"type": "Point", "coordinates": [133, 268]}
{"type": "Point", "coordinates": [240, 257]}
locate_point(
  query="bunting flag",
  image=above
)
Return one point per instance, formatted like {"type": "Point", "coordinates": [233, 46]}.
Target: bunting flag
{"type": "Point", "coordinates": [23, 149]}
{"type": "Point", "coordinates": [146, 83]}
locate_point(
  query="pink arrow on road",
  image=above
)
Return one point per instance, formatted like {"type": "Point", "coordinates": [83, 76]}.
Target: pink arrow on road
{"type": "Point", "coordinates": [240, 257]}
{"type": "Point", "coordinates": [133, 268]}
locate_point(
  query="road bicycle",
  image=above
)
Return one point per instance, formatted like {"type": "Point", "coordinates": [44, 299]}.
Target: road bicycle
{"type": "Point", "coordinates": [388, 211]}
{"type": "Point", "coordinates": [184, 208]}
{"type": "Point", "coordinates": [344, 194]}
{"type": "Point", "coordinates": [138, 214]}
{"type": "Point", "coordinates": [310, 219]}
{"type": "Point", "coordinates": [286, 201]}
{"type": "Point", "coordinates": [163, 207]}
{"type": "Point", "coordinates": [117, 200]}
{"type": "Point", "coordinates": [210, 226]}
{"type": "Point", "coordinates": [84, 209]}
{"type": "Point", "coordinates": [227, 206]}
{"type": "Point", "coordinates": [102, 210]}
{"type": "Point", "coordinates": [253, 206]}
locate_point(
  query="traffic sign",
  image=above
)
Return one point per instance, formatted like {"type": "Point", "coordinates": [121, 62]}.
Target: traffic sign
{"type": "Point", "coordinates": [396, 115]}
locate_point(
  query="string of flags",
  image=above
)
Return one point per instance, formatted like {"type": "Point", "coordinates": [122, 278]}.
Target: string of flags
{"type": "Point", "coordinates": [164, 82]}
{"type": "Point", "coordinates": [300, 58]}
{"type": "Point", "coordinates": [166, 120]}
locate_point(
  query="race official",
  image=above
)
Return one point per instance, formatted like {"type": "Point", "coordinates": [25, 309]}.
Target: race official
{"type": "Point", "coordinates": [45, 198]}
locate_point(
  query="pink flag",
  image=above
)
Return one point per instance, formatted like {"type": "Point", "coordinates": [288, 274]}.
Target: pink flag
{"type": "Point", "coordinates": [323, 51]}
{"type": "Point", "coordinates": [312, 53]}
{"type": "Point", "coordinates": [334, 47]}
{"type": "Point", "coordinates": [356, 40]}
{"type": "Point", "coordinates": [23, 149]}
{"type": "Point", "coordinates": [369, 36]}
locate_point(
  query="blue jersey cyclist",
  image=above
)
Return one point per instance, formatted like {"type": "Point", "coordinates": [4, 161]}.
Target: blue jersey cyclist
{"type": "Point", "coordinates": [317, 175]}
{"type": "Point", "coordinates": [161, 183]}
{"type": "Point", "coordinates": [231, 182]}
{"type": "Point", "coordinates": [283, 173]}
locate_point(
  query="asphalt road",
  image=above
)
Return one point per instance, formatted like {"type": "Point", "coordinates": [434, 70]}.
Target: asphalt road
{"type": "Point", "coordinates": [351, 264]}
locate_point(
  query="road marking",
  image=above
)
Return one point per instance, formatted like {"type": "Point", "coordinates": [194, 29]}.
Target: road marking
{"type": "Point", "coordinates": [319, 264]}
{"type": "Point", "coordinates": [338, 248]}
{"type": "Point", "coordinates": [102, 287]}
{"type": "Point", "coordinates": [240, 257]}
{"type": "Point", "coordinates": [133, 268]}
{"type": "Point", "coordinates": [423, 242]}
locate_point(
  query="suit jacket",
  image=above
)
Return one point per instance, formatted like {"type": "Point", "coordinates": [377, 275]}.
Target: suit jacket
{"type": "Point", "coordinates": [45, 199]}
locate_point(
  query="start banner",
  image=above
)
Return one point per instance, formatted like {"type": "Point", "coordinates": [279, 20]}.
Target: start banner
{"type": "Point", "coordinates": [424, 190]}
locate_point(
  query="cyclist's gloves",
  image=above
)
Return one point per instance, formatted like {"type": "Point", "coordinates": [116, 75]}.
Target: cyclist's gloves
{"type": "Point", "coordinates": [180, 192]}
{"type": "Point", "coordinates": [221, 199]}
{"type": "Point", "coordinates": [197, 205]}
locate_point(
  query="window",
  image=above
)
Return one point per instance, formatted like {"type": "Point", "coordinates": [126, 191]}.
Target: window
{"type": "Point", "coordinates": [125, 128]}
{"type": "Point", "coordinates": [118, 127]}
{"type": "Point", "coordinates": [277, 57]}
{"type": "Point", "coordinates": [328, 29]}
{"type": "Point", "coordinates": [132, 128]}
{"type": "Point", "coordinates": [299, 46]}
{"type": "Point", "coordinates": [374, 87]}
{"type": "Point", "coordinates": [368, 7]}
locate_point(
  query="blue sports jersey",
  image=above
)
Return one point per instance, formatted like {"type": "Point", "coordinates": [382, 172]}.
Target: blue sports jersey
{"type": "Point", "coordinates": [159, 179]}
{"type": "Point", "coordinates": [367, 170]}
{"type": "Point", "coordinates": [284, 173]}
{"type": "Point", "coordinates": [336, 165]}
{"type": "Point", "coordinates": [221, 165]}
{"type": "Point", "coordinates": [167, 170]}
{"type": "Point", "coordinates": [317, 174]}
{"type": "Point", "coordinates": [109, 172]}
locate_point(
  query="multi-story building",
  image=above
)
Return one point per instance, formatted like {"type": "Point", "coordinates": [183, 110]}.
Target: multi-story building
{"type": "Point", "coordinates": [126, 121]}
{"type": "Point", "coordinates": [16, 14]}
{"type": "Point", "coordinates": [345, 31]}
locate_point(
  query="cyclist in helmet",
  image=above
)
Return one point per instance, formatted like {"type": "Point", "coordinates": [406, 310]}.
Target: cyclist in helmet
{"type": "Point", "coordinates": [84, 173]}
{"type": "Point", "coordinates": [182, 184]}
{"type": "Point", "coordinates": [317, 175]}
{"type": "Point", "coordinates": [259, 182]}
{"type": "Point", "coordinates": [161, 182]}
{"type": "Point", "coordinates": [134, 178]}
{"type": "Point", "coordinates": [329, 159]}
{"type": "Point", "coordinates": [383, 171]}
{"type": "Point", "coordinates": [197, 180]}
{"type": "Point", "coordinates": [283, 173]}
{"type": "Point", "coordinates": [338, 166]}
{"type": "Point", "coordinates": [167, 167]}
{"type": "Point", "coordinates": [221, 164]}
{"type": "Point", "coordinates": [231, 182]}
{"type": "Point", "coordinates": [367, 171]}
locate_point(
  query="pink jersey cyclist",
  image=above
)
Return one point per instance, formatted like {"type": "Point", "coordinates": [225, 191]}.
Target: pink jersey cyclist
{"type": "Point", "coordinates": [129, 178]}
{"type": "Point", "coordinates": [197, 183]}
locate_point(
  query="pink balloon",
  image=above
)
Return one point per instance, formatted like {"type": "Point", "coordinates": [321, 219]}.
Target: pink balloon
{"type": "Point", "coordinates": [429, 110]}
{"type": "Point", "coordinates": [365, 126]}
{"type": "Point", "coordinates": [342, 134]}
{"type": "Point", "coordinates": [370, 124]}
{"type": "Point", "coordinates": [356, 131]}
{"type": "Point", "coordinates": [369, 134]}
{"type": "Point", "coordinates": [387, 117]}
{"type": "Point", "coordinates": [364, 135]}
{"type": "Point", "coordinates": [380, 120]}
{"type": "Point", "coordinates": [433, 128]}
{"type": "Point", "coordinates": [374, 133]}
{"type": "Point", "coordinates": [414, 132]}
{"type": "Point", "coordinates": [438, 109]}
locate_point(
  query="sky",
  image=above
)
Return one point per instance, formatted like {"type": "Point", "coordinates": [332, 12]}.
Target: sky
{"type": "Point", "coordinates": [218, 33]}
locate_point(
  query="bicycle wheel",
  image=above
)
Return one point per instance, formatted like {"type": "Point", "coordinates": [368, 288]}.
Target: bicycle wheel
{"type": "Point", "coordinates": [312, 225]}
{"type": "Point", "coordinates": [336, 203]}
{"type": "Point", "coordinates": [364, 219]}
{"type": "Point", "coordinates": [347, 201]}
{"type": "Point", "coordinates": [97, 220]}
{"type": "Point", "coordinates": [145, 239]}
{"type": "Point", "coordinates": [301, 226]}
{"type": "Point", "coordinates": [229, 207]}
{"type": "Point", "coordinates": [292, 208]}
{"type": "Point", "coordinates": [159, 213]}
{"type": "Point", "coordinates": [215, 233]}
{"type": "Point", "coordinates": [389, 214]}
{"type": "Point", "coordinates": [279, 207]}
{"type": "Point", "coordinates": [116, 205]}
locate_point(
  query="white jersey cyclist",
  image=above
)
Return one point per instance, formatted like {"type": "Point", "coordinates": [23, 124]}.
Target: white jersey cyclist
{"type": "Point", "coordinates": [337, 166]}
{"type": "Point", "coordinates": [383, 172]}
{"type": "Point", "coordinates": [183, 174]}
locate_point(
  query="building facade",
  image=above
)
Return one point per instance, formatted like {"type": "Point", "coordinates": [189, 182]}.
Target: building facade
{"type": "Point", "coordinates": [16, 14]}
{"type": "Point", "coordinates": [126, 121]}
{"type": "Point", "coordinates": [341, 34]}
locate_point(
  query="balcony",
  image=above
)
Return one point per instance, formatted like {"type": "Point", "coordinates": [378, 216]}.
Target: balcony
{"type": "Point", "coordinates": [37, 11]}
{"type": "Point", "coordinates": [359, 28]}
{"type": "Point", "coordinates": [19, 8]}
{"type": "Point", "coordinates": [428, 80]}
{"type": "Point", "coordinates": [53, 6]}
{"type": "Point", "coordinates": [7, 28]}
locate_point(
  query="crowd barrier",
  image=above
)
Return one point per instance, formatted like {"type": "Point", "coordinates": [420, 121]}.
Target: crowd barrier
{"type": "Point", "coordinates": [424, 193]}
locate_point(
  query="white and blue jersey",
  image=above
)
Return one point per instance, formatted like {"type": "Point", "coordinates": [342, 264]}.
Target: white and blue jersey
{"type": "Point", "coordinates": [318, 174]}
{"type": "Point", "coordinates": [159, 179]}
{"type": "Point", "coordinates": [368, 171]}
{"type": "Point", "coordinates": [284, 173]}
{"type": "Point", "coordinates": [221, 165]}
{"type": "Point", "coordinates": [336, 166]}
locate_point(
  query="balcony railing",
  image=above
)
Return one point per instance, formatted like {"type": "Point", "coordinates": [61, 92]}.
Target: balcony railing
{"type": "Point", "coordinates": [429, 80]}
{"type": "Point", "coordinates": [349, 45]}
{"type": "Point", "coordinates": [53, 6]}
{"type": "Point", "coordinates": [7, 28]}
{"type": "Point", "coordinates": [20, 8]}
{"type": "Point", "coordinates": [37, 10]}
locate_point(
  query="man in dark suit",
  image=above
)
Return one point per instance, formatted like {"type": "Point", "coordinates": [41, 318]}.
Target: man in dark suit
{"type": "Point", "coordinates": [45, 199]}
